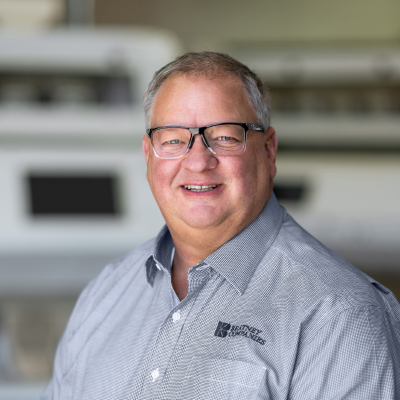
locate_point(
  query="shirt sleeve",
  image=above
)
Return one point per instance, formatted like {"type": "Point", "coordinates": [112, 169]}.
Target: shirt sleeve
{"type": "Point", "coordinates": [87, 316]}
{"type": "Point", "coordinates": [354, 356]}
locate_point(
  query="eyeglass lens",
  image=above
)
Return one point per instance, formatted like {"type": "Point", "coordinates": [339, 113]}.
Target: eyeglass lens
{"type": "Point", "coordinates": [222, 139]}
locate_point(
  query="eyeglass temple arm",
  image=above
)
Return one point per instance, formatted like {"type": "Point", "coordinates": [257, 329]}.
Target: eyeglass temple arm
{"type": "Point", "coordinates": [255, 127]}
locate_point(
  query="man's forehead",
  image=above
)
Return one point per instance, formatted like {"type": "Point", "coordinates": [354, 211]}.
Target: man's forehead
{"type": "Point", "coordinates": [197, 85]}
{"type": "Point", "coordinates": [200, 99]}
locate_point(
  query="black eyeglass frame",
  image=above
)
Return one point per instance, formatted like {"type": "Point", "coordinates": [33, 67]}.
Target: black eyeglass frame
{"type": "Point", "coordinates": [200, 131]}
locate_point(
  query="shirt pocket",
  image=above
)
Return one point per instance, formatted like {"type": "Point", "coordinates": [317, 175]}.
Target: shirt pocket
{"type": "Point", "coordinates": [222, 379]}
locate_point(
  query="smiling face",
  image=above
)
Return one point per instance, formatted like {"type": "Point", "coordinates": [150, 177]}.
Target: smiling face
{"type": "Point", "coordinates": [201, 190]}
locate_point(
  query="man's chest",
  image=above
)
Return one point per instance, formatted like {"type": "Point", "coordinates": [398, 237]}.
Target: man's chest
{"type": "Point", "coordinates": [214, 344]}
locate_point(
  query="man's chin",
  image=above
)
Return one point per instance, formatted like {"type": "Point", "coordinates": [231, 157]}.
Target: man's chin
{"type": "Point", "coordinates": [203, 219]}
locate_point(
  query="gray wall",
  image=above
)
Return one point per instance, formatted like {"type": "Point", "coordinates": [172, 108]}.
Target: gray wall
{"type": "Point", "coordinates": [217, 24]}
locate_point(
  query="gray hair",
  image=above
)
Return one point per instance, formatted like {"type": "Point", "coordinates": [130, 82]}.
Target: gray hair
{"type": "Point", "coordinates": [213, 65]}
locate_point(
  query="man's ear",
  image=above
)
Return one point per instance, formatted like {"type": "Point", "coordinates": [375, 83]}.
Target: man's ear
{"type": "Point", "coordinates": [271, 147]}
{"type": "Point", "coordinates": [146, 147]}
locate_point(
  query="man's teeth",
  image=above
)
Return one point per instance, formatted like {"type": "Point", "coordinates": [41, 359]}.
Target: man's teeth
{"type": "Point", "coordinates": [195, 188]}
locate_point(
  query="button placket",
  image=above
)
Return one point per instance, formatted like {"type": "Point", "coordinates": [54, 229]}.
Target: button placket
{"type": "Point", "coordinates": [188, 339]}
{"type": "Point", "coordinates": [167, 339]}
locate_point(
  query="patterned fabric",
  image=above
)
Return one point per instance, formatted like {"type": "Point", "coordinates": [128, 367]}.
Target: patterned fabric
{"type": "Point", "coordinates": [272, 314]}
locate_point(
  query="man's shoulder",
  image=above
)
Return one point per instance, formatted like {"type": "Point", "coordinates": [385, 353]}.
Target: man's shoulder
{"type": "Point", "coordinates": [302, 280]}
{"type": "Point", "coordinates": [105, 289]}
{"type": "Point", "coordinates": [314, 273]}
{"type": "Point", "coordinates": [130, 263]}
{"type": "Point", "coordinates": [131, 259]}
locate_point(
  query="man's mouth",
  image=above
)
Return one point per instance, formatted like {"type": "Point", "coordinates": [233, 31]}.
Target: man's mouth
{"type": "Point", "coordinates": [195, 188]}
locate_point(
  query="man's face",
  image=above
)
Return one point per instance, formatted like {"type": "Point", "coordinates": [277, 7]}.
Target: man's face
{"type": "Point", "coordinates": [243, 182]}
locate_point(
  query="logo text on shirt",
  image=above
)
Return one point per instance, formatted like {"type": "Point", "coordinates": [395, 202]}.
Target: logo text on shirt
{"type": "Point", "coordinates": [225, 329]}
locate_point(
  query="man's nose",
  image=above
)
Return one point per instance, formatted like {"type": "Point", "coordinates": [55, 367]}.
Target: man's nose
{"type": "Point", "coordinates": [199, 158]}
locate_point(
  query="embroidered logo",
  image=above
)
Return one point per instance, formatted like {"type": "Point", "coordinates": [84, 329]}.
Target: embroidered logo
{"type": "Point", "coordinates": [224, 329]}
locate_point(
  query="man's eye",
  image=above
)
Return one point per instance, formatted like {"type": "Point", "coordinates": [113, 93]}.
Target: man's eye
{"type": "Point", "coordinates": [224, 138]}
{"type": "Point", "coordinates": [173, 141]}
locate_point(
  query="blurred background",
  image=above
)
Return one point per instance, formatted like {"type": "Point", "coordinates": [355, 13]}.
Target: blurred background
{"type": "Point", "coordinates": [73, 193]}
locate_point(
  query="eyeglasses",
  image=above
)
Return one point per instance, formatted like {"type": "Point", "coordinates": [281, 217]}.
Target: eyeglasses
{"type": "Point", "coordinates": [225, 139]}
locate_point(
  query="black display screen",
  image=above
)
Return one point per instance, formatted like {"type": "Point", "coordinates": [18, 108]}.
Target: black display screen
{"type": "Point", "coordinates": [289, 192]}
{"type": "Point", "coordinates": [73, 195]}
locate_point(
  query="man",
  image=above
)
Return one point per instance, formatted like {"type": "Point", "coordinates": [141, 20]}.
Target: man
{"type": "Point", "coordinates": [232, 300]}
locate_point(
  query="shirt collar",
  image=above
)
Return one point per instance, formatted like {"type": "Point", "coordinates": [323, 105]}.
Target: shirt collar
{"type": "Point", "coordinates": [237, 259]}
{"type": "Point", "coordinates": [160, 255]}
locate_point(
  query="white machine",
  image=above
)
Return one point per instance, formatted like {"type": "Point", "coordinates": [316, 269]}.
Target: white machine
{"type": "Point", "coordinates": [337, 115]}
{"type": "Point", "coordinates": [72, 176]}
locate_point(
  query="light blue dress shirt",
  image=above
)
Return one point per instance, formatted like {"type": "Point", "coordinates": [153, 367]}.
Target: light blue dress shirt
{"type": "Point", "coordinates": [272, 314]}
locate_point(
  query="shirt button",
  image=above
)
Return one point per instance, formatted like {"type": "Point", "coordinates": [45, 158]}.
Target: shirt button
{"type": "Point", "coordinates": [155, 374]}
{"type": "Point", "coordinates": [176, 316]}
